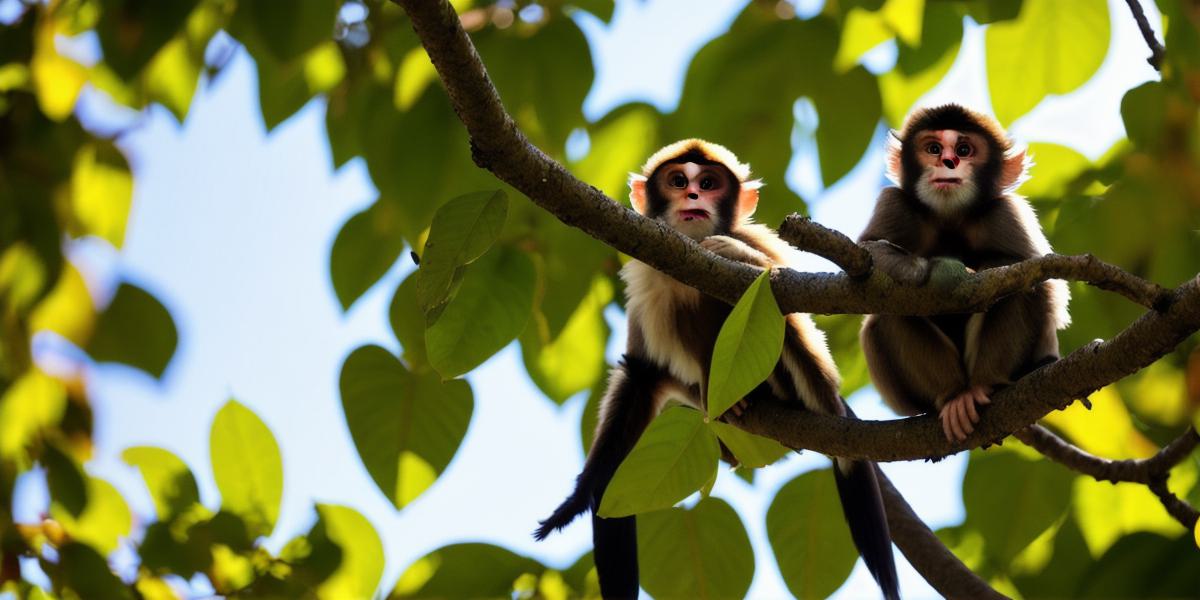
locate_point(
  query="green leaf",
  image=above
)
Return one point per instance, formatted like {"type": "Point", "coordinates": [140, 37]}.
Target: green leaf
{"type": "Point", "coordinates": [1052, 48]}
{"type": "Point", "coordinates": [602, 9]}
{"type": "Point", "coordinates": [285, 31]}
{"type": "Point", "coordinates": [67, 483]}
{"type": "Point", "coordinates": [676, 456]}
{"type": "Point", "coordinates": [747, 347]}
{"type": "Point", "coordinates": [167, 477]}
{"type": "Point", "coordinates": [1054, 168]}
{"type": "Point", "coordinates": [463, 229]}
{"type": "Point", "coordinates": [1035, 496]}
{"type": "Point", "coordinates": [1145, 565]}
{"type": "Point", "coordinates": [102, 191]}
{"type": "Point", "coordinates": [1061, 576]}
{"type": "Point", "coordinates": [247, 467]}
{"type": "Point", "coordinates": [620, 143]}
{"type": "Point", "coordinates": [920, 68]}
{"type": "Point", "coordinates": [574, 361]}
{"type": "Point", "coordinates": [407, 427]}
{"type": "Point", "coordinates": [284, 88]}
{"type": "Point", "coordinates": [841, 332]}
{"type": "Point", "coordinates": [87, 574]}
{"type": "Point", "coordinates": [751, 450]}
{"type": "Point", "coordinates": [135, 330]}
{"type": "Point", "coordinates": [104, 520]}
{"type": "Point", "coordinates": [455, 572]}
{"type": "Point", "coordinates": [810, 538]}
{"type": "Point", "coordinates": [845, 123]}
{"type": "Point", "coordinates": [490, 309]}
{"type": "Point", "coordinates": [33, 403]}
{"type": "Point", "coordinates": [993, 11]}
{"type": "Point", "coordinates": [699, 553]}
{"type": "Point", "coordinates": [1144, 114]}
{"type": "Point", "coordinates": [131, 32]}
{"type": "Point", "coordinates": [408, 323]}
{"type": "Point", "coordinates": [358, 574]}
{"type": "Point", "coordinates": [365, 249]}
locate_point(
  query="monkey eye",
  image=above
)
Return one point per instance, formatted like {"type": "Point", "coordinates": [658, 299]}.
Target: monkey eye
{"type": "Point", "coordinates": [934, 148]}
{"type": "Point", "coordinates": [678, 181]}
{"type": "Point", "coordinates": [708, 183]}
{"type": "Point", "coordinates": [963, 149]}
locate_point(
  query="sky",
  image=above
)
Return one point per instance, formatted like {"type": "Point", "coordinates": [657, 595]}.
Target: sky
{"type": "Point", "coordinates": [232, 227]}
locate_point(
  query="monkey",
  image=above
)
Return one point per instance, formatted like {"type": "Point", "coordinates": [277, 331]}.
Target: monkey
{"type": "Point", "coordinates": [703, 191]}
{"type": "Point", "coordinates": [956, 208]}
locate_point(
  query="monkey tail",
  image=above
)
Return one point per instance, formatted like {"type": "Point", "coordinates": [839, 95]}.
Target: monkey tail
{"type": "Point", "coordinates": [627, 408]}
{"type": "Point", "coordinates": [862, 504]}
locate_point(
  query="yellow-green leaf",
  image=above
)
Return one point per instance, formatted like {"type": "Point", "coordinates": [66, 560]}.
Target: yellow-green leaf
{"type": "Point", "coordinates": [810, 538]}
{"type": "Point", "coordinates": [358, 573]}
{"type": "Point", "coordinates": [104, 520]}
{"type": "Point", "coordinates": [102, 191]}
{"type": "Point", "coordinates": [247, 466]}
{"type": "Point", "coordinates": [699, 553]}
{"type": "Point", "coordinates": [747, 347]}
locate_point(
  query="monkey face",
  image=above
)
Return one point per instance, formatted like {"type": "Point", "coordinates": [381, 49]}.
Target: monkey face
{"type": "Point", "coordinates": [697, 199]}
{"type": "Point", "coordinates": [950, 162]}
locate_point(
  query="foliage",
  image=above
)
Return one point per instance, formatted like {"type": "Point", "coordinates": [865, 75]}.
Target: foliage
{"type": "Point", "coordinates": [489, 256]}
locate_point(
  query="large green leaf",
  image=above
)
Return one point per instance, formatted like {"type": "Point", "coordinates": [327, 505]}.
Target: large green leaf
{"type": "Point", "coordinates": [132, 31]}
{"type": "Point", "coordinates": [33, 403]}
{"type": "Point", "coordinates": [135, 330]}
{"type": "Point", "coordinates": [747, 347]}
{"type": "Point", "coordinates": [677, 455]}
{"type": "Point", "coordinates": [1145, 565]}
{"type": "Point", "coordinates": [574, 361]}
{"type": "Point", "coordinates": [407, 427]}
{"type": "Point", "coordinates": [408, 323]}
{"type": "Point", "coordinates": [703, 552]}
{"type": "Point", "coordinates": [1052, 48]}
{"type": "Point", "coordinates": [247, 466]}
{"type": "Point", "coordinates": [87, 574]}
{"type": "Point", "coordinates": [810, 538]}
{"type": "Point", "coordinates": [1061, 575]}
{"type": "Point", "coordinates": [849, 109]}
{"type": "Point", "coordinates": [465, 571]}
{"type": "Point", "coordinates": [104, 521]}
{"type": "Point", "coordinates": [620, 143]}
{"type": "Point", "coordinates": [1034, 497]}
{"type": "Point", "coordinates": [920, 68]}
{"type": "Point", "coordinates": [284, 88]}
{"type": "Point", "coordinates": [1054, 168]}
{"type": "Point", "coordinates": [66, 481]}
{"type": "Point", "coordinates": [358, 573]}
{"type": "Point", "coordinates": [490, 309]}
{"type": "Point", "coordinates": [102, 191]}
{"type": "Point", "coordinates": [463, 229]}
{"type": "Point", "coordinates": [167, 477]}
{"type": "Point", "coordinates": [751, 450]}
{"type": "Point", "coordinates": [285, 31]}
{"type": "Point", "coordinates": [366, 247]}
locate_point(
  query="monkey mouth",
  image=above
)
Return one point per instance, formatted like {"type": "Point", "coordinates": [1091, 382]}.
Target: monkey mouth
{"type": "Point", "coordinates": [692, 214]}
{"type": "Point", "coordinates": [945, 182]}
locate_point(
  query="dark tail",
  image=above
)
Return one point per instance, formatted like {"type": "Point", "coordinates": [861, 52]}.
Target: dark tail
{"type": "Point", "coordinates": [862, 504]}
{"type": "Point", "coordinates": [626, 410]}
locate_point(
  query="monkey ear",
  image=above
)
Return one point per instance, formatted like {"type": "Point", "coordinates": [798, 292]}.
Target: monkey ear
{"type": "Point", "coordinates": [637, 192]}
{"type": "Point", "coordinates": [894, 146]}
{"type": "Point", "coordinates": [748, 199]}
{"type": "Point", "coordinates": [1015, 168]}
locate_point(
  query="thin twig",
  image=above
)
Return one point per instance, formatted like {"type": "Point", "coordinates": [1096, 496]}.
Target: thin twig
{"type": "Point", "coordinates": [1142, 470]}
{"type": "Point", "coordinates": [1180, 510]}
{"type": "Point", "coordinates": [1157, 52]}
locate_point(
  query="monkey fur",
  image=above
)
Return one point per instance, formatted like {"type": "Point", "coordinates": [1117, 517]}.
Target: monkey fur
{"type": "Point", "coordinates": [703, 191]}
{"type": "Point", "coordinates": [955, 208]}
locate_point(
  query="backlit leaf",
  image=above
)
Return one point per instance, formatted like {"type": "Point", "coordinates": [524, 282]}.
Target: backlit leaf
{"type": "Point", "coordinates": [247, 466]}
{"type": "Point", "coordinates": [102, 191]}
{"type": "Point", "coordinates": [454, 572]}
{"type": "Point", "coordinates": [135, 330]}
{"type": "Point", "coordinates": [702, 552]}
{"type": "Point", "coordinates": [751, 450]}
{"type": "Point", "coordinates": [132, 31]}
{"type": "Point", "coordinates": [361, 566]}
{"type": "Point", "coordinates": [574, 361]}
{"type": "Point", "coordinates": [104, 520]}
{"type": "Point", "coordinates": [35, 402]}
{"type": "Point", "coordinates": [747, 347]}
{"type": "Point", "coordinates": [676, 456]}
{"type": "Point", "coordinates": [463, 229]}
{"type": "Point", "coordinates": [1035, 496]}
{"type": "Point", "coordinates": [167, 477]}
{"type": "Point", "coordinates": [365, 249]}
{"type": "Point", "coordinates": [810, 538]}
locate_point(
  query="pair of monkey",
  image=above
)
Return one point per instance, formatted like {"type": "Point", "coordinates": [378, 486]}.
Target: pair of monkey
{"type": "Point", "coordinates": [956, 171]}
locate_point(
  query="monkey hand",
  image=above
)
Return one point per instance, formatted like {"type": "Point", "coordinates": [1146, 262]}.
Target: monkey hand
{"type": "Point", "coordinates": [959, 415]}
{"type": "Point", "coordinates": [947, 273]}
{"type": "Point", "coordinates": [735, 249]}
{"type": "Point", "coordinates": [897, 263]}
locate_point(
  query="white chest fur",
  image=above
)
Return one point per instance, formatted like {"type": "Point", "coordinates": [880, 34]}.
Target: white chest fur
{"type": "Point", "coordinates": [653, 301]}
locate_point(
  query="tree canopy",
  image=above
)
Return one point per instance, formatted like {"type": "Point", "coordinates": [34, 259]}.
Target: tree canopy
{"type": "Point", "coordinates": [469, 118]}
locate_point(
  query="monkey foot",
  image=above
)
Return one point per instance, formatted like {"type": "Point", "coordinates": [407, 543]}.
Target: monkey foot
{"type": "Point", "coordinates": [959, 415]}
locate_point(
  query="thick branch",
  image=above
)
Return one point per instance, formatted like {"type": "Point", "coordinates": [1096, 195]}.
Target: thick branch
{"type": "Point", "coordinates": [1156, 49]}
{"type": "Point", "coordinates": [1142, 470]}
{"type": "Point", "coordinates": [925, 552]}
{"type": "Point", "coordinates": [811, 236]}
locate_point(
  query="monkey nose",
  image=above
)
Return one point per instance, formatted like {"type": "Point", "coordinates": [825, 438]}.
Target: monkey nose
{"type": "Point", "coordinates": [950, 162]}
{"type": "Point", "coordinates": [693, 196]}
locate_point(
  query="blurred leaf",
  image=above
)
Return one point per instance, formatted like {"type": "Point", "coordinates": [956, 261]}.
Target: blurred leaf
{"type": "Point", "coordinates": [920, 67]}
{"type": "Point", "coordinates": [841, 331]}
{"type": "Point", "coordinates": [172, 76]}
{"type": "Point", "coordinates": [1034, 497]}
{"type": "Point", "coordinates": [247, 467]}
{"type": "Point", "coordinates": [102, 191]}
{"type": "Point", "coordinates": [751, 450]}
{"type": "Point", "coordinates": [132, 31]}
{"type": "Point", "coordinates": [455, 572]}
{"type": "Point", "coordinates": [23, 279]}
{"type": "Point", "coordinates": [56, 78]}
{"type": "Point", "coordinates": [67, 483]}
{"type": "Point", "coordinates": [574, 361]}
{"type": "Point", "coordinates": [619, 143]}
{"type": "Point", "coordinates": [408, 323]}
{"type": "Point", "coordinates": [68, 309]}
{"type": "Point", "coordinates": [1107, 512]}
{"type": "Point", "coordinates": [135, 330]}
{"type": "Point", "coordinates": [365, 249]}
{"type": "Point", "coordinates": [703, 552]}
{"type": "Point", "coordinates": [1145, 565]}
{"type": "Point", "coordinates": [993, 11]}
{"type": "Point", "coordinates": [1106, 430]}
{"type": "Point", "coordinates": [1054, 168]}
{"type": "Point", "coordinates": [33, 403]}
{"type": "Point", "coordinates": [1143, 114]}
{"type": "Point", "coordinates": [463, 230]}
{"type": "Point", "coordinates": [407, 427]}
{"type": "Point", "coordinates": [1157, 394]}
{"type": "Point", "coordinates": [591, 414]}
{"type": "Point", "coordinates": [601, 9]}
{"type": "Point", "coordinates": [864, 29]}
{"type": "Point", "coordinates": [1060, 577]}
{"type": "Point", "coordinates": [167, 477]}
{"type": "Point", "coordinates": [490, 309]}
{"type": "Point", "coordinates": [86, 573]}
{"type": "Point", "coordinates": [287, 31]}
{"type": "Point", "coordinates": [104, 520]}
{"type": "Point", "coordinates": [362, 553]}
{"type": "Point", "coordinates": [747, 347]}
{"type": "Point", "coordinates": [1052, 48]}
{"type": "Point", "coordinates": [285, 88]}
{"type": "Point", "coordinates": [676, 456]}
{"type": "Point", "coordinates": [810, 538]}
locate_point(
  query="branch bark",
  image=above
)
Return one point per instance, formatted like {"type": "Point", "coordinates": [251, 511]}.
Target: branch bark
{"type": "Point", "coordinates": [1157, 52]}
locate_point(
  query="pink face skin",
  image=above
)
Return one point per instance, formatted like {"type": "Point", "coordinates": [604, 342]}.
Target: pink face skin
{"type": "Point", "coordinates": [949, 160]}
{"type": "Point", "coordinates": [693, 192]}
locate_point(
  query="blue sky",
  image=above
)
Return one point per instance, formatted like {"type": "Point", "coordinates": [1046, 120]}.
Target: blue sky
{"type": "Point", "coordinates": [231, 229]}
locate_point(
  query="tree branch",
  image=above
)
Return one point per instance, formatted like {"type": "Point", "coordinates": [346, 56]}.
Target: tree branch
{"type": "Point", "coordinates": [1180, 510]}
{"type": "Point", "coordinates": [925, 552]}
{"type": "Point", "coordinates": [1142, 470]}
{"type": "Point", "coordinates": [1157, 52]}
